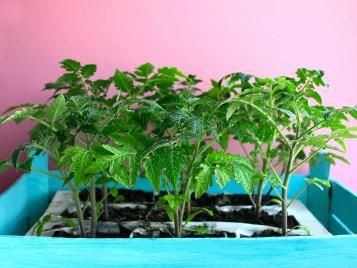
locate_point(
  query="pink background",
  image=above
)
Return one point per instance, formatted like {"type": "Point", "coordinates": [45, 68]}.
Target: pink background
{"type": "Point", "coordinates": [209, 38]}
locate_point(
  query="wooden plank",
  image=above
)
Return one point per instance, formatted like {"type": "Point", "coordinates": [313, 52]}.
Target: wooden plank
{"type": "Point", "coordinates": [343, 207]}
{"type": "Point", "coordinates": [318, 202]}
{"type": "Point", "coordinates": [38, 252]}
{"type": "Point", "coordinates": [37, 189]}
{"type": "Point", "coordinates": [14, 215]}
{"type": "Point", "coordinates": [337, 227]}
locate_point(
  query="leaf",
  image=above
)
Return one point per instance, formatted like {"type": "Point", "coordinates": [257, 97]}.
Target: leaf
{"type": "Point", "coordinates": [153, 172]}
{"type": "Point", "coordinates": [100, 164]}
{"type": "Point", "coordinates": [197, 212]}
{"type": "Point", "coordinates": [78, 159]}
{"type": "Point", "coordinates": [119, 173]}
{"type": "Point", "coordinates": [118, 152]}
{"type": "Point", "coordinates": [223, 141]}
{"type": "Point", "coordinates": [70, 65]}
{"type": "Point", "coordinates": [69, 222]}
{"type": "Point", "coordinates": [203, 180]}
{"type": "Point", "coordinates": [319, 183]}
{"type": "Point", "coordinates": [145, 69]}
{"type": "Point", "coordinates": [173, 158]}
{"type": "Point", "coordinates": [304, 228]}
{"type": "Point", "coordinates": [26, 113]}
{"type": "Point", "coordinates": [4, 165]}
{"type": "Point", "coordinates": [316, 96]}
{"type": "Point", "coordinates": [88, 70]}
{"type": "Point", "coordinates": [69, 153]}
{"type": "Point", "coordinates": [339, 157]}
{"type": "Point", "coordinates": [223, 176]}
{"type": "Point", "coordinates": [231, 109]}
{"type": "Point", "coordinates": [287, 112]}
{"type": "Point", "coordinates": [122, 81]}
{"type": "Point", "coordinates": [114, 192]}
{"type": "Point", "coordinates": [79, 164]}
{"type": "Point", "coordinates": [244, 175]}
{"type": "Point", "coordinates": [16, 154]}
{"type": "Point", "coordinates": [134, 168]}
{"type": "Point", "coordinates": [276, 200]}
{"type": "Point", "coordinates": [57, 109]}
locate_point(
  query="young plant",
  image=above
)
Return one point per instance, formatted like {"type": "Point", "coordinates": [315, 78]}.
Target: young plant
{"type": "Point", "coordinates": [250, 126]}
{"type": "Point", "coordinates": [302, 124]}
{"type": "Point", "coordinates": [78, 119]}
{"type": "Point", "coordinates": [183, 125]}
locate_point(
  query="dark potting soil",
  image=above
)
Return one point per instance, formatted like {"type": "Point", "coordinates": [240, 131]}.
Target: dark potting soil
{"type": "Point", "coordinates": [124, 233]}
{"type": "Point", "coordinates": [155, 214]}
{"type": "Point", "coordinates": [151, 213]}
{"type": "Point", "coordinates": [147, 197]}
{"type": "Point", "coordinates": [153, 234]}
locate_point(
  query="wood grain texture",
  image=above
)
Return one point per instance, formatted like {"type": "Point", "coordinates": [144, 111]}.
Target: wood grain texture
{"type": "Point", "coordinates": [340, 251]}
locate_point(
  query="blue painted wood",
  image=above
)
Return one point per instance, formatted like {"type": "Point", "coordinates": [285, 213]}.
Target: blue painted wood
{"type": "Point", "coordinates": [318, 202]}
{"type": "Point", "coordinates": [337, 227]}
{"type": "Point", "coordinates": [14, 216]}
{"type": "Point", "coordinates": [274, 252]}
{"type": "Point", "coordinates": [26, 200]}
{"type": "Point", "coordinates": [343, 210]}
{"type": "Point", "coordinates": [38, 189]}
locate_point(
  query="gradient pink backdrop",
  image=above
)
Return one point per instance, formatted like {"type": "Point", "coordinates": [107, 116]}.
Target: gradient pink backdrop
{"type": "Point", "coordinates": [209, 38]}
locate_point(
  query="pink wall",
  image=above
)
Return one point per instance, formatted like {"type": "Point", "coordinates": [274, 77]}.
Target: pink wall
{"type": "Point", "coordinates": [210, 38]}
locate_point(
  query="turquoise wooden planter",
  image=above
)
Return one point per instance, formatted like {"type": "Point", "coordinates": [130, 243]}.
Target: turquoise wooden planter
{"type": "Point", "coordinates": [26, 200]}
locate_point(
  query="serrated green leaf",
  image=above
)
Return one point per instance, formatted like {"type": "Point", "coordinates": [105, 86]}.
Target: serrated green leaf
{"type": "Point", "coordinates": [231, 109]}
{"type": "Point", "coordinates": [223, 176]}
{"type": "Point", "coordinates": [153, 171]}
{"type": "Point", "coordinates": [88, 70]}
{"type": "Point", "coordinates": [16, 154]}
{"type": "Point", "coordinates": [119, 174]}
{"type": "Point", "coordinates": [244, 175]}
{"type": "Point", "coordinates": [70, 65]}
{"type": "Point", "coordinates": [26, 113]}
{"type": "Point", "coordinates": [100, 164]}
{"type": "Point", "coordinates": [145, 69]}
{"type": "Point", "coordinates": [173, 159]}
{"type": "Point", "coordinates": [134, 168]}
{"type": "Point", "coordinates": [57, 109]}
{"type": "Point", "coordinates": [203, 180]}
{"type": "Point", "coordinates": [118, 152]}
{"type": "Point", "coordinates": [122, 81]}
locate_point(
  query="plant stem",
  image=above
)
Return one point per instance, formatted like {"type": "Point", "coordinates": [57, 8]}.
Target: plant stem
{"type": "Point", "coordinates": [79, 213]}
{"type": "Point", "coordinates": [93, 209]}
{"type": "Point", "coordinates": [258, 200]}
{"type": "Point", "coordinates": [297, 195]}
{"type": "Point", "coordinates": [105, 201]}
{"type": "Point", "coordinates": [187, 186]}
{"type": "Point", "coordinates": [177, 224]}
{"type": "Point", "coordinates": [284, 206]}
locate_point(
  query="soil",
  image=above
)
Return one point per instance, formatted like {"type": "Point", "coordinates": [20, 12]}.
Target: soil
{"type": "Point", "coordinates": [154, 214]}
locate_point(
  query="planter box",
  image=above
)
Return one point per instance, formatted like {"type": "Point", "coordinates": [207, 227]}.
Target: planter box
{"type": "Point", "coordinates": [62, 201]}
{"type": "Point", "coordinates": [28, 198]}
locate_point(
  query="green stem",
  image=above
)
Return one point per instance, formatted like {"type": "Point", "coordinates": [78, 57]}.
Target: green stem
{"type": "Point", "coordinates": [284, 189]}
{"type": "Point", "coordinates": [79, 213]}
{"type": "Point", "coordinates": [105, 201]}
{"type": "Point", "coordinates": [93, 209]}
{"type": "Point", "coordinates": [315, 152]}
{"type": "Point", "coordinates": [187, 184]}
{"type": "Point", "coordinates": [47, 173]}
{"type": "Point", "coordinates": [297, 195]}
{"type": "Point", "coordinates": [271, 121]}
